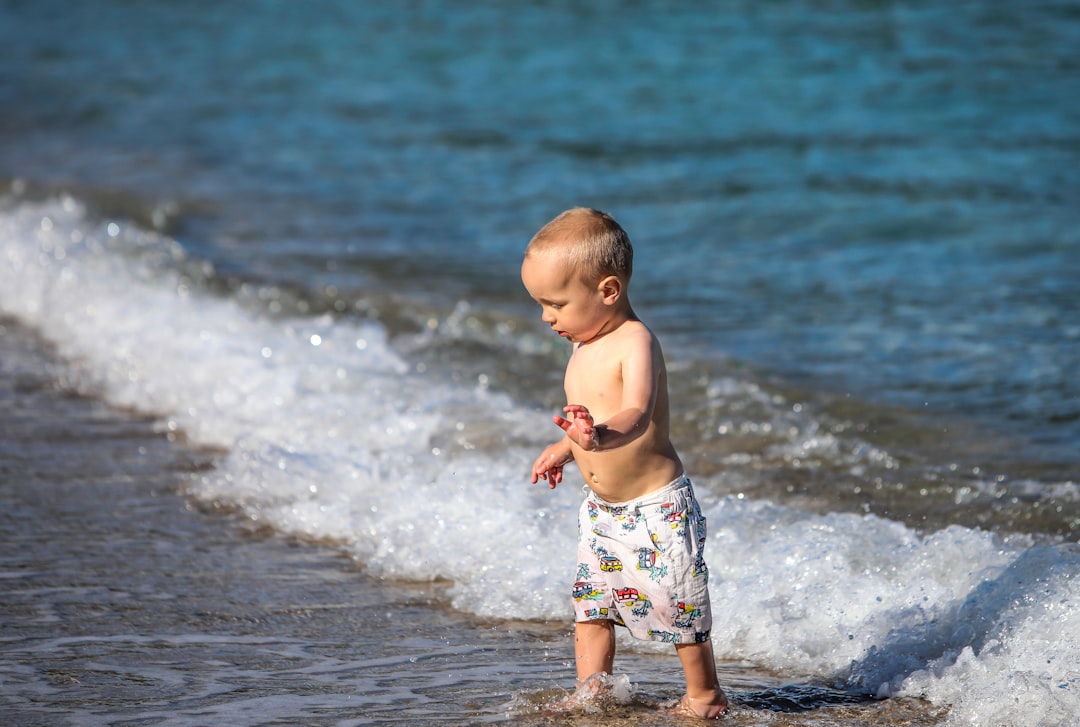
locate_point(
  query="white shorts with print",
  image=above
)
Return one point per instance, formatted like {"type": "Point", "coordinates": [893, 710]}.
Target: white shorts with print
{"type": "Point", "coordinates": [641, 564]}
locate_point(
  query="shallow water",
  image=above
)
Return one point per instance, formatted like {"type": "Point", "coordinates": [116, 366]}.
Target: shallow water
{"type": "Point", "coordinates": [125, 603]}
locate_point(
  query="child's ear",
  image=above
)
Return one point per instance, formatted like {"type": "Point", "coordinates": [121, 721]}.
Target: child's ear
{"type": "Point", "coordinates": [610, 288]}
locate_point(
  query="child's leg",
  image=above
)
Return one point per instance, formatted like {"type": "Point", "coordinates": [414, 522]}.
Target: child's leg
{"type": "Point", "coordinates": [704, 698]}
{"type": "Point", "coordinates": [594, 648]}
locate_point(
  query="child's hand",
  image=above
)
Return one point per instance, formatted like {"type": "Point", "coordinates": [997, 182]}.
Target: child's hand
{"type": "Point", "coordinates": [581, 429]}
{"type": "Point", "coordinates": [549, 465]}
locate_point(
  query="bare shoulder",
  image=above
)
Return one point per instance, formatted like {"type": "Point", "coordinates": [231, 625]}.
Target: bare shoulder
{"type": "Point", "coordinates": [634, 337]}
{"type": "Point", "coordinates": [636, 332]}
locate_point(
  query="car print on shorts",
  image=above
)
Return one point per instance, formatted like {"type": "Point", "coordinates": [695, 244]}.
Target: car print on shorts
{"type": "Point", "coordinates": [639, 604]}
{"type": "Point", "coordinates": [610, 563]}
{"type": "Point", "coordinates": [646, 559]}
{"type": "Point", "coordinates": [585, 591]}
{"type": "Point", "coordinates": [647, 562]}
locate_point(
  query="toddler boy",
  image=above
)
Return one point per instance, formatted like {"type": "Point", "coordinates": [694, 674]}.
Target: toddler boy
{"type": "Point", "coordinates": [641, 532]}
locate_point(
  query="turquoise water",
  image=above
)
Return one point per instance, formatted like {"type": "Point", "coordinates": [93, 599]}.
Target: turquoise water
{"type": "Point", "coordinates": [878, 197]}
{"type": "Point", "coordinates": [289, 234]}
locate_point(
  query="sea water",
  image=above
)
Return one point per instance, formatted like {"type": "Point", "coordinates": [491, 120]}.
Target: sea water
{"type": "Point", "coordinates": [291, 240]}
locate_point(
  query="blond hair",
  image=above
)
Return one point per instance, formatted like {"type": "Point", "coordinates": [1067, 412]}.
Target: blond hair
{"type": "Point", "coordinates": [593, 244]}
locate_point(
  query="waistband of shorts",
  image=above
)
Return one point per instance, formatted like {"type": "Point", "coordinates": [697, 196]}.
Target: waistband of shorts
{"type": "Point", "coordinates": [656, 497]}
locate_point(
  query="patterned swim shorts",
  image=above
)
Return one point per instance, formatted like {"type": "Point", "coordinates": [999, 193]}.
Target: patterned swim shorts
{"type": "Point", "coordinates": [641, 564]}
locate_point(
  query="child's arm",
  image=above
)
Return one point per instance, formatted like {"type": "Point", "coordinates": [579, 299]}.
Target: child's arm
{"type": "Point", "coordinates": [549, 465]}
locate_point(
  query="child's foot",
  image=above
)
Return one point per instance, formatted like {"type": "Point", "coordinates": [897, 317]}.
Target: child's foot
{"type": "Point", "coordinates": [690, 707]}
{"type": "Point", "coordinates": [595, 687]}
{"type": "Point", "coordinates": [591, 693]}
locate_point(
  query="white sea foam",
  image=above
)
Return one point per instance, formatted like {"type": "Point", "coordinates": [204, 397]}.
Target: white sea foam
{"type": "Point", "coordinates": [330, 433]}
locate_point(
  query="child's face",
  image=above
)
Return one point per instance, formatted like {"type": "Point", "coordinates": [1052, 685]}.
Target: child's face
{"type": "Point", "coordinates": [575, 310]}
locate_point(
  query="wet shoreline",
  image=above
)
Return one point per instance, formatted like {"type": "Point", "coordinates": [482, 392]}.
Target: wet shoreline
{"type": "Point", "coordinates": [124, 604]}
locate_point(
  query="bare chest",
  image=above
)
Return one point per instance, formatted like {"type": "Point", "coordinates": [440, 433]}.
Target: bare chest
{"type": "Point", "coordinates": [594, 380]}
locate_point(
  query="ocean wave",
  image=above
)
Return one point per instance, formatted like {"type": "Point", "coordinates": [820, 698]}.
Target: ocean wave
{"type": "Point", "coordinates": [326, 431]}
